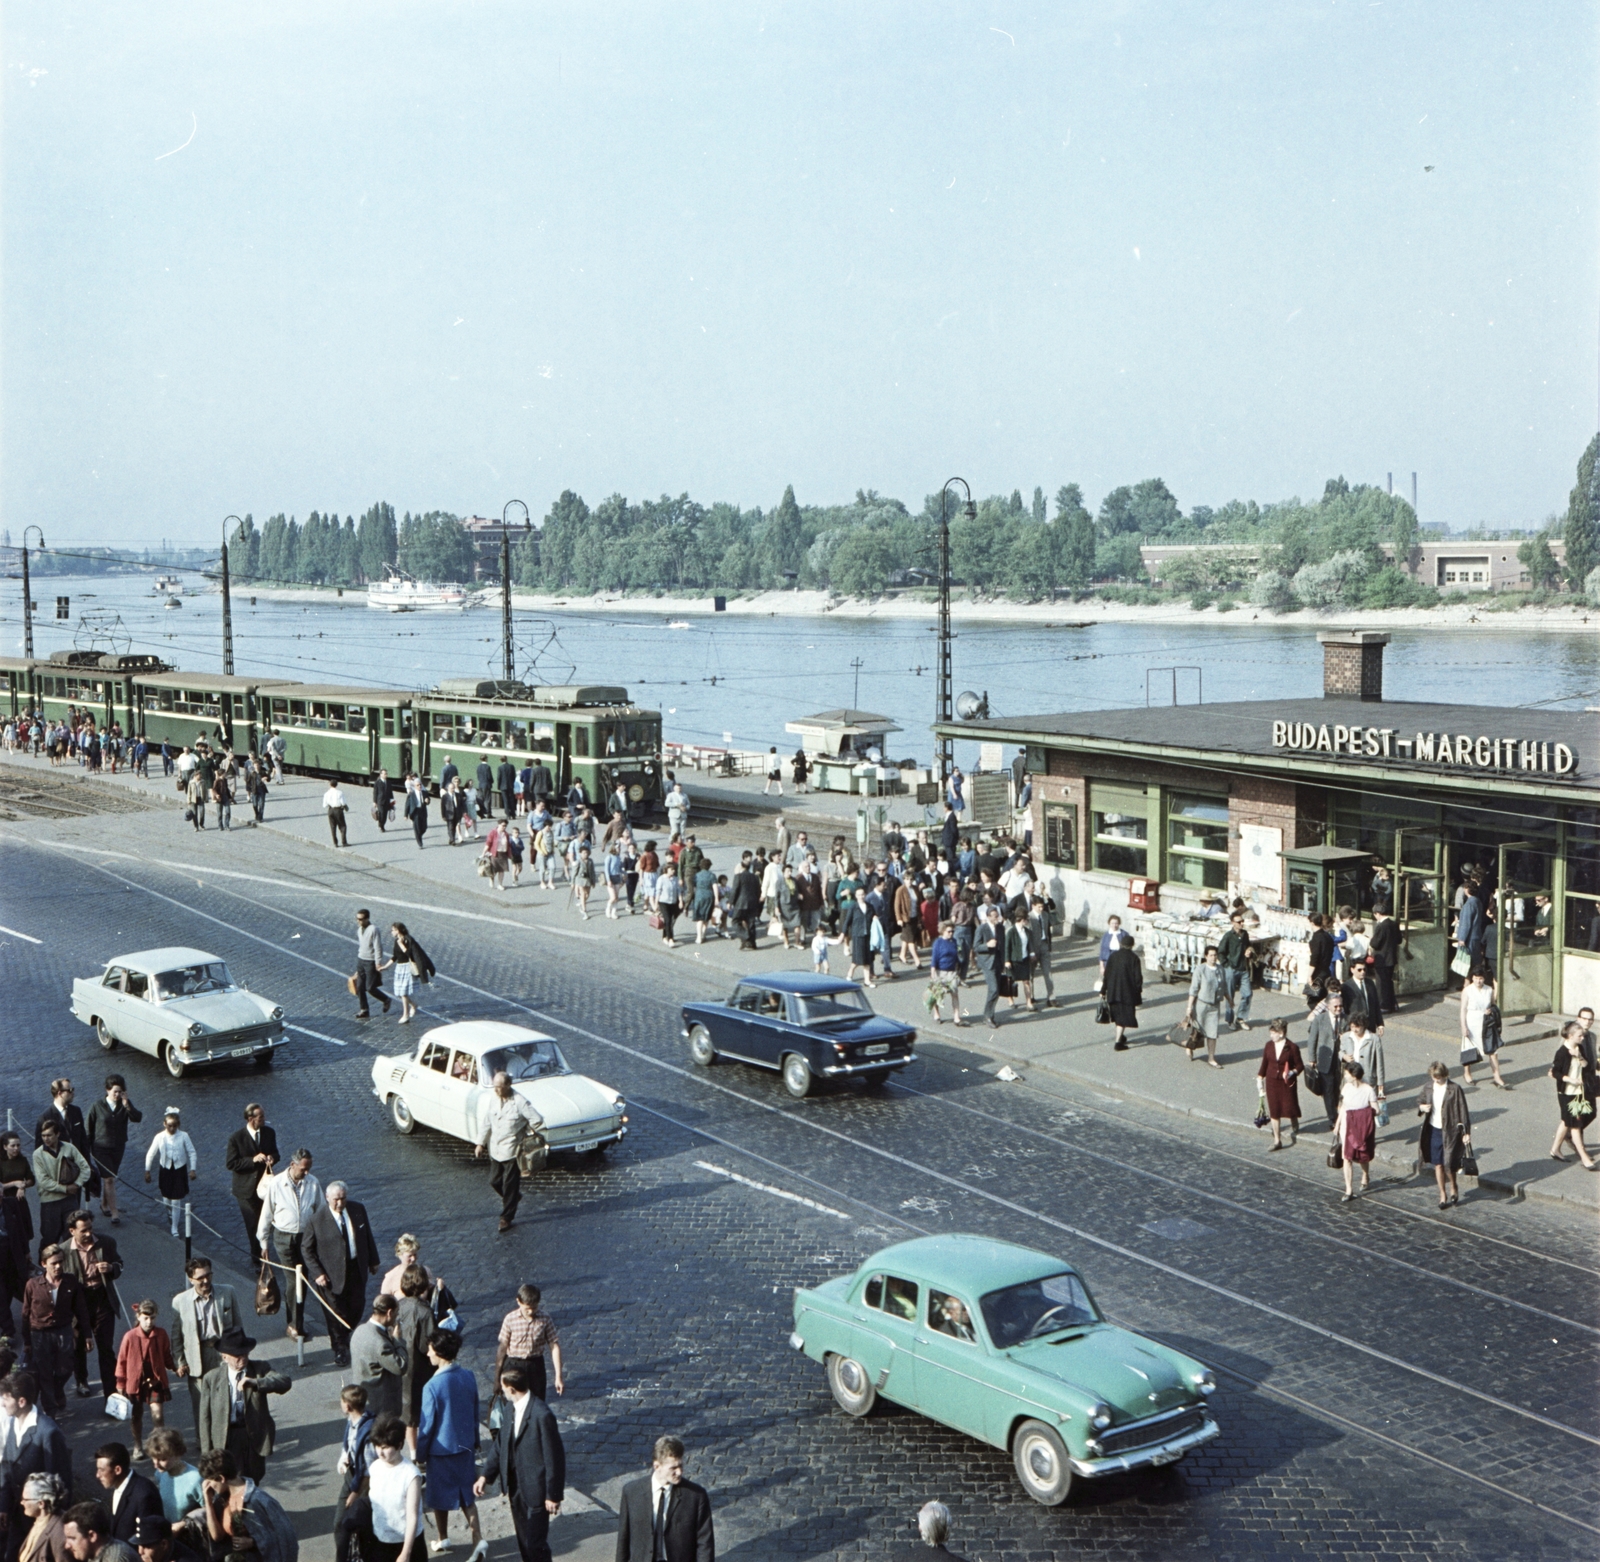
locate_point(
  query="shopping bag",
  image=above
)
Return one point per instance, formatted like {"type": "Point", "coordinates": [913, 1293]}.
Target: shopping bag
{"type": "Point", "coordinates": [1461, 960]}
{"type": "Point", "coordinates": [268, 1296]}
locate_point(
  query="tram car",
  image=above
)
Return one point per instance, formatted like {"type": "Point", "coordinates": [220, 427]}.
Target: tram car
{"type": "Point", "coordinates": [340, 731]}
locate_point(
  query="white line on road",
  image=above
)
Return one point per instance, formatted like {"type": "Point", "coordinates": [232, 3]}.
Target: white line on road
{"type": "Point", "coordinates": [766, 1187]}
{"type": "Point", "coordinates": [27, 938]}
{"type": "Point", "coordinates": [317, 1035]}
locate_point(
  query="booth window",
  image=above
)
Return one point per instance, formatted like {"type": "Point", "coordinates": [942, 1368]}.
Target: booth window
{"type": "Point", "coordinates": [1197, 840]}
{"type": "Point", "coordinates": [1121, 820]}
{"type": "Point", "coordinates": [1061, 834]}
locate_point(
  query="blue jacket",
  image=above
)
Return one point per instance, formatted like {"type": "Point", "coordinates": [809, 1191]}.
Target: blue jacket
{"type": "Point", "coordinates": [1471, 925]}
{"type": "Point", "coordinates": [449, 1423]}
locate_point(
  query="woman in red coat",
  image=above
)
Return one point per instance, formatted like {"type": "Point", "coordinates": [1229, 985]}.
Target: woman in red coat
{"type": "Point", "coordinates": [1281, 1068]}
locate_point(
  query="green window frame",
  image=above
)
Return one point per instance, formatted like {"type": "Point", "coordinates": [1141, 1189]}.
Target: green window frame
{"type": "Point", "coordinates": [1061, 834]}
{"type": "Point", "coordinates": [1120, 819]}
{"type": "Point", "coordinates": [1197, 839]}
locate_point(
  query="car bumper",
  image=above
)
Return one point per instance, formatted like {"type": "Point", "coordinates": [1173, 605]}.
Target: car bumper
{"type": "Point", "coordinates": [208, 1049]}
{"type": "Point", "coordinates": [838, 1070]}
{"type": "Point", "coordinates": [1157, 1453]}
{"type": "Point", "coordinates": [609, 1134]}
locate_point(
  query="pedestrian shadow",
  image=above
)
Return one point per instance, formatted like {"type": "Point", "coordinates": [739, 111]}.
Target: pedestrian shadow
{"type": "Point", "coordinates": [798, 1539]}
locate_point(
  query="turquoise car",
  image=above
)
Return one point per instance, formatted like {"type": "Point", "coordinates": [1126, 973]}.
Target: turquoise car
{"type": "Point", "coordinates": [1006, 1345]}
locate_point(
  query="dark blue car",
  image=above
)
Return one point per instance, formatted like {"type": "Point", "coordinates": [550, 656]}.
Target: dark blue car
{"type": "Point", "coordinates": [807, 1027]}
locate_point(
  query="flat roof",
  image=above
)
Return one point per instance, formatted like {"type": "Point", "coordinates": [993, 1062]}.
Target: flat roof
{"type": "Point", "coordinates": [1243, 734]}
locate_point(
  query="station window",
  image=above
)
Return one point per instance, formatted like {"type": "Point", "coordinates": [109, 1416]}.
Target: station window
{"type": "Point", "coordinates": [1120, 816]}
{"type": "Point", "coordinates": [1197, 840]}
{"type": "Point", "coordinates": [1061, 834]}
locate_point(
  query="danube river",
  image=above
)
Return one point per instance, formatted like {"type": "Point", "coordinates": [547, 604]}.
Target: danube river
{"type": "Point", "coordinates": [748, 676]}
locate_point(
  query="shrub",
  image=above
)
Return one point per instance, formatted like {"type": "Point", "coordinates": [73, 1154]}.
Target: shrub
{"type": "Point", "coordinates": [1591, 587]}
{"type": "Point", "coordinates": [1336, 582]}
{"type": "Point", "coordinates": [1271, 589]}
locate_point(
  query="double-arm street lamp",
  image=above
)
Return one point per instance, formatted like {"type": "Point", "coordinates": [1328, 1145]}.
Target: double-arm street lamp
{"type": "Point", "coordinates": [945, 693]}
{"type": "Point", "coordinates": [505, 582]}
{"type": "Point", "coordinates": [27, 591]}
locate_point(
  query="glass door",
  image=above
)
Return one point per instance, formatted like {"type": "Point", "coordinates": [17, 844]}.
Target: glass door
{"type": "Point", "coordinates": [1525, 953]}
{"type": "Point", "coordinates": [1421, 871]}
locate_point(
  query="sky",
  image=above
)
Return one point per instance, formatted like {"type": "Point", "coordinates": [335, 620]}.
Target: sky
{"type": "Point", "coordinates": [311, 255]}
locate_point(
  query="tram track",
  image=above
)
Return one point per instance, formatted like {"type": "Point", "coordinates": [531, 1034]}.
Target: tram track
{"type": "Point", "coordinates": [923, 1172]}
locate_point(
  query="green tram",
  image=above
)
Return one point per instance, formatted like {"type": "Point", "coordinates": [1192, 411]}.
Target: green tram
{"type": "Point", "coordinates": [591, 732]}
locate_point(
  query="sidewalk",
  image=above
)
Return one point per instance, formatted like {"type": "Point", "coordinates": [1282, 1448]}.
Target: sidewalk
{"type": "Point", "coordinates": [1512, 1129]}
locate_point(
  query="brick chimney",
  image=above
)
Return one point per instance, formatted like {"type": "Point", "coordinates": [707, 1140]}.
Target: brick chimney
{"type": "Point", "coordinates": [1352, 664]}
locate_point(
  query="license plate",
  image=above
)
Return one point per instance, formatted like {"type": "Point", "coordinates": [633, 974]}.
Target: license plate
{"type": "Point", "coordinates": [877, 1049]}
{"type": "Point", "coordinates": [241, 1052]}
{"type": "Point", "coordinates": [587, 1144]}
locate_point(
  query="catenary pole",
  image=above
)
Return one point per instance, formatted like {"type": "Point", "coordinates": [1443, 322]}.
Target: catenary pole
{"type": "Point", "coordinates": [944, 694]}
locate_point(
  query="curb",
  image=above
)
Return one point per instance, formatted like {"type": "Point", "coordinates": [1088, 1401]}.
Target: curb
{"type": "Point", "coordinates": [1518, 1191]}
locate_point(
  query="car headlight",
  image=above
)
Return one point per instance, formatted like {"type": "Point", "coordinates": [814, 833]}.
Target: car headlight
{"type": "Point", "coordinates": [619, 1106]}
{"type": "Point", "coordinates": [1206, 1382]}
{"type": "Point", "coordinates": [1100, 1417]}
{"type": "Point", "coordinates": [277, 1014]}
{"type": "Point", "coordinates": [197, 1029]}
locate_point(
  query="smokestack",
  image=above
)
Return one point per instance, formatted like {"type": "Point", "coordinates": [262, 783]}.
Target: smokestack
{"type": "Point", "coordinates": [1390, 484]}
{"type": "Point", "coordinates": [1413, 492]}
{"type": "Point", "coordinates": [1352, 664]}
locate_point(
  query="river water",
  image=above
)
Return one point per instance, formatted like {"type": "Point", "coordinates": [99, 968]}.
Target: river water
{"type": "Point", "coordinates": [747, 676]}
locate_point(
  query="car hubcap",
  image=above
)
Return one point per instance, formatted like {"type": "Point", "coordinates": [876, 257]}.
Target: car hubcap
{"type": "Point", "coordinates": [1041, 1462]}
{"type": "Point", "coordinates": [851, 1376]}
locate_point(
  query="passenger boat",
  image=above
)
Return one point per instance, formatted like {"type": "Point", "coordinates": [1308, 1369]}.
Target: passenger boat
{"type": "Point", "coordinates": [400, 593]}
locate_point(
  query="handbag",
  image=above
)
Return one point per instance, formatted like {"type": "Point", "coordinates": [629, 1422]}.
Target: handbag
{"type": "Point", "coordinates": [1313, 1079]}
{"type": "Point", "coordinates": [119, 1407]}
{"type": "Point", "coordinates": [353, 985]}
{"type": "Point", "coordinates": [1383, 1114]}
{"type": "Point", "coordinates": [654, 921]}
{"type": "Point", "coordinates": [269, 1298]}
{"type": "Point", "coordinates": [1469, 1052]}
{"type": "Point", "coordinates": [1261, 1118]}
{"type": "Point", "coordinates": [188, 816]}
{"type": "Point", "coordinates": [1469, 1165]}
{"type": "Point", "coordinates": [1461, 960]}
{"type": "Point", "coordinates": [1336, 1157]}
{"type": "Point", "coordinates": [374, 810]}
{"type": "Point", "coordinates": [1102, 1015]}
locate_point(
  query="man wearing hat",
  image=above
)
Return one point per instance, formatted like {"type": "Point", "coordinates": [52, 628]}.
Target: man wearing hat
{"type": "Point", "coordinates": [233, 1404]}
{"type": "Point", "coordinates": [158, 1542]}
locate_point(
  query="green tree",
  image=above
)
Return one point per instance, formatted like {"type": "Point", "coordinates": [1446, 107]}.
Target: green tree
{"type": "Point", "coordinates": [1038, 505]}
{"type": "Point", "coordinates": [1076, 544]}
{"type": "Point", "coordinates": [1147, 509]}
{"type": "Point", "coordinates": [785, 537]}
{"type": "Point", "coordinates": [1582, 531]}
{"type": "Point", "coordinates": [1119, 559]}
{"type": "Point", "coordinates": [244, 550]}
{"type": "Point", "coordinates": [377, 541]}
{"type": "Point", "coordinates": [1544, 572]}
{"type": "Point", "coordinates": [551, 563]}
{"type": "Point", "coordinates": [435, 546]}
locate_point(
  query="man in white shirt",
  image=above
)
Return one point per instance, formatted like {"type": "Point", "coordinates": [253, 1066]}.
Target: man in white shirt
{"type": "Point", "coordinates": [334, 805]}
{"type": "Point", "coordinates": [506, 1120]}
{"type": "Point", "coordinates": [528, 1460]}
{"type": "Point", "coordinates": [293, 1197]}
{"type": "Point", "coordinates": [677, 802]}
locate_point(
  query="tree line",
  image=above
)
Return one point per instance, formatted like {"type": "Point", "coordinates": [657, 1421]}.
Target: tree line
{"type": "Point", "coordinates": [1346, 548]}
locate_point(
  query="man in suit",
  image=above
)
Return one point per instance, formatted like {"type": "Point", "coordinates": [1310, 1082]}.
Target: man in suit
{"type": "Point", "coordinates": [1322, 1043]}
{"type": "Point", "coordinates": [378, 1357]}
{"type": "Point", "coordinates": [340, 1253]}
{"type": "Point", "coordinates": [528, 1460]}
{"type": "Point", "coordinates": [665, 1516]}
{"type": "Point", "coordinates": [506, 779]}
{"type": "Point", "coordinates": [252, 1151]}
{"type": "Point", "coordinates": [233, 1405]}
{"type": "Point", "coordinates": [988, 949]}
{"type": "Point", "coordinates": [201, 1316]}
{"type": "Point", "coordinates": [30, 1444]}
{"type": "Point", "coordinates": [1383, 950]}
{"type": "Point", "coordinates": [1363, 997]}
{"type": "Point", "coordinates": [129, 1496]}
{"type": "Point", "coordinates": [93, 1261]}
{"type": "Point", "coordinates": [744, 902]}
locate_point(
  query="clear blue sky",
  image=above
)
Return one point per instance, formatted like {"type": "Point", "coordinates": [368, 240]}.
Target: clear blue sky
{"type": "Point", "coordinates": [451, 254]}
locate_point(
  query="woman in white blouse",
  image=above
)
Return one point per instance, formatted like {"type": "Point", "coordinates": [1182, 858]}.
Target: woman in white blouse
{"type": "Point", "coordinates": [394, 1488]}
{"type": "Point", "coordinates": [1356, 1129]}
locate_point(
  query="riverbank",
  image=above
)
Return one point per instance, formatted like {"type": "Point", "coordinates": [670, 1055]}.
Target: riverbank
{"type": "Point", "coordinates": [1467, 615]}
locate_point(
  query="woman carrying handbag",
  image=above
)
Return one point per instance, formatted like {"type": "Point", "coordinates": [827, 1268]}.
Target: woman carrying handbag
{"type": "Point", "coordinates": [1208, 992]}
{"type": "Point", "coordinates": [1280, 1071]}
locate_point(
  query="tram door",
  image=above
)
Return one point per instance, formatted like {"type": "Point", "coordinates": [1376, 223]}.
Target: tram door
{"type": "Point", "coordinates": [563, 756]}
{"type": "Point", "coordinates": [1422, 910]}
{"type": "Point", "coordinates": [1525, 953]}
{"type": "Point", "coordinates": [375, 739]}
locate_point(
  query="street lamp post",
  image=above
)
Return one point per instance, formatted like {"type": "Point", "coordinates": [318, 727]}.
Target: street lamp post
{"type": "Point", "coordinates": [227, 602]}
{"type": "Point", "coordinates": [505, 583]}
{"type": "Point", "coordinates": [944, 694]}
{"type": "Point", "coordinates": [27, 592]}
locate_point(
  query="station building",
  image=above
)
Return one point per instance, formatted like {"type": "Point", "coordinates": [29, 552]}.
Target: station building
{"type": "Point", "coordinates": [1308, 804]}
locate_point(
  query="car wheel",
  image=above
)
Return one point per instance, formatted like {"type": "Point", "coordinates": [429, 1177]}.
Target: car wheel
{"type": "Point", "coordinates": [400, 1115]}
{"type": "Point", "coordinates": [796, 1075]}
{"type": "Point", "coordinates": [851, 1385]}
{"type": "Point", "coordinates": [103, 1031]}
{"type": "Point", "coordinates": [263, 1060]}
{"type": "Point", "coordinates": [701, 1047]}
{"type": "Point", "coordinates": [1041, 1460]}
{"type": "Point", "coordinates": [176, 1066]}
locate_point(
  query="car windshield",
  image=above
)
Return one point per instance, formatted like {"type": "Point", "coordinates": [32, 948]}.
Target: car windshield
{"type": "Point", "coordinates": [526, 1060]}
{"type": "Point", "coordinates": [1036, 1308]}
{"type": "Point", "coordinates": [823, 1008]}
{"type": "Point", "coordinates": [188, 980]}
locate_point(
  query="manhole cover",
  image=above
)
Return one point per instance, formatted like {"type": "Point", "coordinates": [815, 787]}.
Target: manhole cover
{"type": "Point", "coordinates": [1177, 1229]}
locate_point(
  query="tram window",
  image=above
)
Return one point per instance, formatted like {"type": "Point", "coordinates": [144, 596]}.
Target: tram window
{"type": "Point", "coordinates": [355, 718]}
{"type": "Point", "coordinates": [407, 728]}
{"type": "Point", "coordinates": [544, 737]}
{"type": "Point", "coordinates": [605, 739]}
{"type": "Point", "coordinates": [517, 735]}
{"type": "Point", "coordinates": [297, 712]}
{"type": "Point", "coordinates": [319, 713]}
{"type": "Point", "coordinates": [444, 726]}
{"type": "Point", "coordinates": [489, 724]}
{"type": "Point", "coordinates": [388, 723]}
{"type": "Point", "coordinates": [580, 742]}
{"type": "Point", "coordinates": [164, 699]}
{"type": "Point", "coordinates": [280, 709]}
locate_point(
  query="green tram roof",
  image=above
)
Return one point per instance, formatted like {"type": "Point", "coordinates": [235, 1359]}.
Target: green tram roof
{"type": "Point", "coordinates": [338, 693]}
{"type": "Point", "coordinates": [196, 680]}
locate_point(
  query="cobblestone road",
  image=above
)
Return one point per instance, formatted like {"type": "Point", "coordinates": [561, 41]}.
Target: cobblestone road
{"type": "Point", "coordinates": [1390, 1386]}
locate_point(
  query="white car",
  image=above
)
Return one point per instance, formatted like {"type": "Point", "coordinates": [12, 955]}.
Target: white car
{"type": "Point", "coordinates": [447, 1084]}
{"type": "Point", "coordinates": [179, 1005]}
